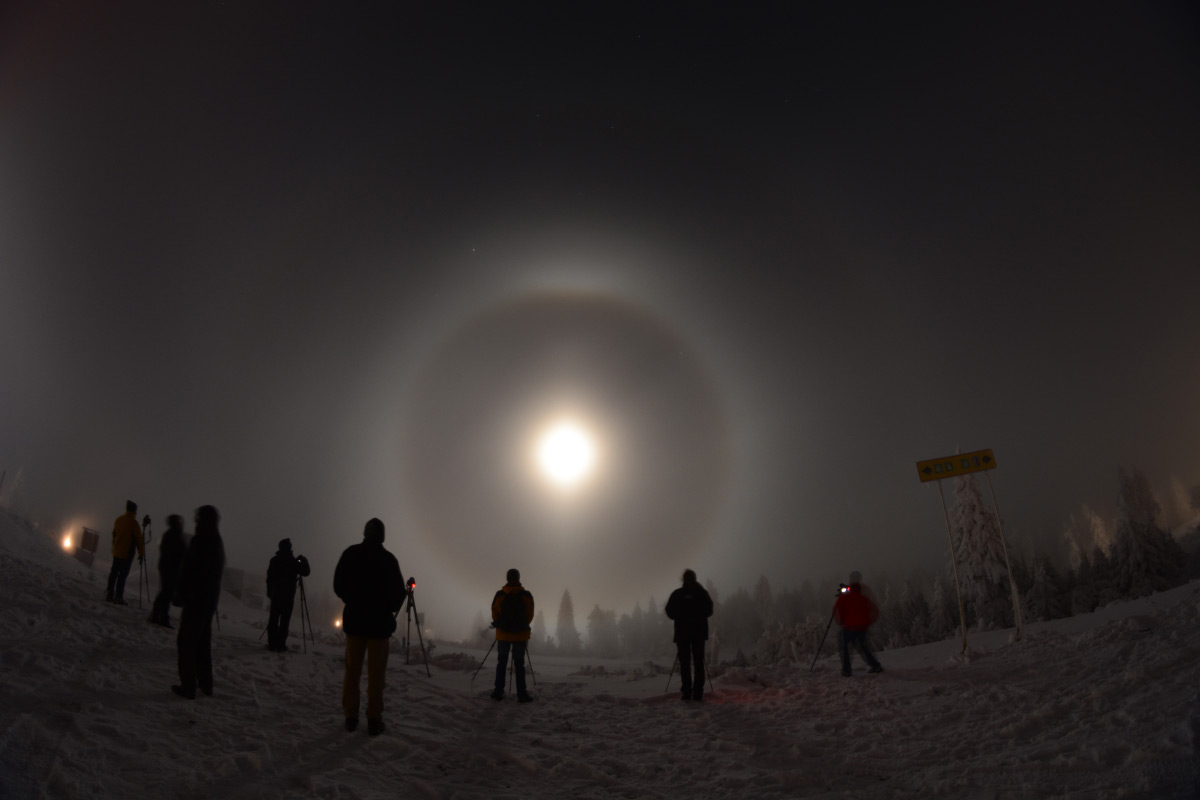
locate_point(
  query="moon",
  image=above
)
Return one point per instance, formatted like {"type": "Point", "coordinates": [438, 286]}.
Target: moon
{"type": "Point", "coordinates": [565, 454]}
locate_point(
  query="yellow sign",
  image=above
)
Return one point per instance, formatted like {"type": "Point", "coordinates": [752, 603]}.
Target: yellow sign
{"type": "Point", "coordinates": [952, 466]}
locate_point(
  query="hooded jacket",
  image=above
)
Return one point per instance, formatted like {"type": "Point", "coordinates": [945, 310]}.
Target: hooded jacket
{"type": "Point", "coordinates": [282, 572]}
{"type": "Point", "coordinates": [200, 576]}
{"type": "Point", "coordinates": [853, 610]}
{"type": "Point", "coordinates": [690, 606]}
{"type": "Point", "coordinates": [126, 533]}
{"type": "Point", "coordinates": [171, 550]}
{"type": "Point", "coordinates": [511, 628]}
{"type": "Point", "coordinates": [369, 582]}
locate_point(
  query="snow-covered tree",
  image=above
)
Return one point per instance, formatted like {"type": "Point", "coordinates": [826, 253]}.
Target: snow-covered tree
{"type": "Point", "coordinates": [1044, 599]}
{"type": "Point", "coordinates": [764, 600]}
{"type": "Point", "coordinates": [980, 551]}
{"type": "Point", "coordinates": [1104, 579]}
{"type": "Point", "coordinates": [1084, 531]}
{"type": "Point", "coordinates": [1146, 558]}
{"type": "Point", "coordinates": [538, 632]}
{"type": "Point", "coordinates": [1083, 590]}
{"type": "Point", "coordinates": [739, 624]}
{"type": "Point", "coordinates": [565, 632]}
{"type": "Point", "coordinates": [480, 634]}
{"type": "Point", "coordinates": [603, 640]}
{"type": "Point", "coordinates": [943, 611]}
{"type": "Point", "coordinates": [917, 614]}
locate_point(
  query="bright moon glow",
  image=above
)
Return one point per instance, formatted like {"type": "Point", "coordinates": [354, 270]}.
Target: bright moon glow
{"type": "Point", "coordinates": [565, 454]}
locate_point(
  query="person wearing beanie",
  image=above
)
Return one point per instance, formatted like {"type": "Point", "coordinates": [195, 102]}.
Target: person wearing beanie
{"type": "Point", "coordinates": [283, 573]}
{"type": "Point", "coordinates": [126, 535]}
{"type": "Point", "coordinates": [512, 612]}
{"type": "Point", "coordinates": [855, 612]}
{"type": "Point", "coordinates": [689, 607]}
{"type": "Point", "coordinates": [197, 593]}
{"type": "Point", "coordinates": [368, 580]}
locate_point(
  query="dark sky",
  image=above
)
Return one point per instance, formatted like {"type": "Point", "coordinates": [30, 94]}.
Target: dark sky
{"type": "Point", "coordinates": [313, 264]}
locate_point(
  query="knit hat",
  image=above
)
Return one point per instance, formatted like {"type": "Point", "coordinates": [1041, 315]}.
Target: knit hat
{"type": "Point", "coordinates": [285, 545]}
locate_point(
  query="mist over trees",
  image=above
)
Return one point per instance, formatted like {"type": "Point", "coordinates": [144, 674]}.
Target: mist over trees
{"type": "Point", "coordinates": [1089, 563]}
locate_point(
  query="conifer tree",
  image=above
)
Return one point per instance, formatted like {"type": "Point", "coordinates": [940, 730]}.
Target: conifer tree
{"type": "Point", "coordinates": [1145, 557]}
{"type": "Point", "coordinates": [1083, 592]}
{"type": "Point", "coordinates": [538, 632]}
{"type": "Point", "coordinates": [1044, 600]}
{"type": "Point", "coordinates": [985, 582]}
{"type": "Point", "coordinates": [565, 632]}
{"type": "Point", "coordinates": [764, 600]}
{"type": "Point", "coordinates": [943, 611]}
{"type": "Point", "coordinates": [602, 633]}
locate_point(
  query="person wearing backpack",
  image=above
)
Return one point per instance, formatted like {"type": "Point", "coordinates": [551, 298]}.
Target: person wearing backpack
{"type": "Point", "coordinates": [512, 611]}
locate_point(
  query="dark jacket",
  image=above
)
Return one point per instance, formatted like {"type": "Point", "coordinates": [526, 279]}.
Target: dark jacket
{"type": "Point", "coordinates": [171, 550]}
{"type": "Point", "coordinates": [690, 607]}
{"type": "Point", "coordinates": [199, 584]}
{"type": "Point", "coordinates": [854, 610]}
{"type": "Point", "coordinates": [282, 572]}
{"type": "Point", "coordinates": [368, 581]}
{"type": "Point", "coordinates": [514, 626]}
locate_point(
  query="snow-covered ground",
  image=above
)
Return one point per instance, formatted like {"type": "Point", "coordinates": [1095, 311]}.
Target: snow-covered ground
{"type": "Point", "coordinates": [1099, 706]}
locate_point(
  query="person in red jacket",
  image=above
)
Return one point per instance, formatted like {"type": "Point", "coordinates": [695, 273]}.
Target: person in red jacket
{"type": "Point", "coordinates": [855, 612]}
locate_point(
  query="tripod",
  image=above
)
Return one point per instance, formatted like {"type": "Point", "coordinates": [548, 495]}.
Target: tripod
{"type": "Point", "coordinates": [305, 618]}
{"type": "Point", "coordinates": [822, 644]}
{"type": "Point", "coordinates": [410, 607]}
{"type": "Point", "coordinates": [703, 667]}
{"type": "Point", "coordinates": [142, 561]}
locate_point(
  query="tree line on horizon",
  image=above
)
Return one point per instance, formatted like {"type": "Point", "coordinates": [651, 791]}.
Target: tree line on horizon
{"type": "Point", "coordinates": [1104, 563]}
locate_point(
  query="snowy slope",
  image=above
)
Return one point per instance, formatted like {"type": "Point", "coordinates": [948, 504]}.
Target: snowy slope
{"type": "Point", "coordinates": [1102, 706]}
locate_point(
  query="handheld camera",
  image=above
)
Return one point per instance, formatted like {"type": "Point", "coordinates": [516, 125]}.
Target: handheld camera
{"type": "Point", "coordinates": [843, 588]}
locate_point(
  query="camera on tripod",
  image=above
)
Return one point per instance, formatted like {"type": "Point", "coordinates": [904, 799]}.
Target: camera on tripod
{"type": "Point", "coordinates": [411, 585]}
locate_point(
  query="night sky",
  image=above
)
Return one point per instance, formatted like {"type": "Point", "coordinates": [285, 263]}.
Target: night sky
{"type": "Point", "coordinates": [314, 263]}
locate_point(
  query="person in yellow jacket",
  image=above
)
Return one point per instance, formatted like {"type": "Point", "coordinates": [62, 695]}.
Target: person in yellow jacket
{"type": "Point", "coordinates": [126, 535]}
{"type": "Point", "coordinates": [512, 611]}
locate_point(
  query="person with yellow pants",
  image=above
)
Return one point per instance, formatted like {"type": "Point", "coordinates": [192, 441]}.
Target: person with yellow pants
{"type": "Point", "coordinates": [368, 580]}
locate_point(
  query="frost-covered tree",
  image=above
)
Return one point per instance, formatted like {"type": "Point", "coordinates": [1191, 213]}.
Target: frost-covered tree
{"type": "Point", "coordinates": [943, 611]}
{"type": "Point", "coordinates": [1146, 558]}
{"type": "Point", "coordinates": [565, 632]}
{"type": "Point", "coordinates": [1044, 599]}
{"type": "Point", "coordinates": [740, 625]}
{"type": "Point", "coordinates": [1084, 531]}
{"type": "Point", "coordinates": [538, 632]}
{"type": "Point", "coordinates": [764, 600]}
{"type": "Point", "coordinates": [1083, 589]}
{"type": "Point", "coordinates": [480, 634]}
{"type": "Point", "coordinates": [1104, 579]}
{"type": "Point", "coordinates": [980, 552]}
{"type": "Point", "coordinates": [917, 614]}
{"type": "Point", "coordinates": [603, 640]}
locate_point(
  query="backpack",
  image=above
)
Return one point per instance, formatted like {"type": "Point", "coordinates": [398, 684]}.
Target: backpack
{"type": "Point", "coordinates": [512, 613]}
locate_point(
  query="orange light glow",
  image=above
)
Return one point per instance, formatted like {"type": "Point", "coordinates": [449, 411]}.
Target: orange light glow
{"type": "Point", "coordinates": [66, 542]}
